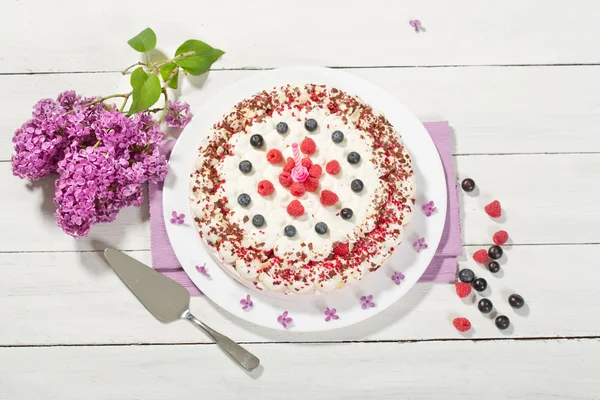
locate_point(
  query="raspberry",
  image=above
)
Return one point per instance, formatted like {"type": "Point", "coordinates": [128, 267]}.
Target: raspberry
{"type": "Point", "coordinates": [295, 208]}
{"type": "Point", "coordinates": [480, 256]}
{"type": "Point", "coordinates": [494, 209]}
{"type": "Point", "coordinates": [297, 189]}
{"type": "Point", "coordinates": [500, 237]}
{"type": "Point", "coordinates": [265, 188]}
{"type": "Point", "coordinates": [285, 179]}
{"type": "Point", "coordinates": [306, 162]}
{"type": "Point", "coordinates": [341, 249]}
{"type": "Point", "coordinates": [333, 167]}
{"type": "Point", "coordinates": [308, 146]}
{"type": "Point", "coordinates": [461, 324]}
{"type": "Point", "coordinates": [463, 289]}
{"type": "Point", "coordinates": [311, 184]}
{"type": "Point", "coordinates": [315, 171]}
{"type": "Point", "coordinates": [289, 165]}
{"type": "Point", "coordinates": [328, 198]}
{"type": "Point", "coordinates": [274, 156]}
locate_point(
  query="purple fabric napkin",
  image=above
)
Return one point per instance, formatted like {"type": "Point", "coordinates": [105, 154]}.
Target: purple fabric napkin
{"type": "Point", "coordinates": [443, 266]}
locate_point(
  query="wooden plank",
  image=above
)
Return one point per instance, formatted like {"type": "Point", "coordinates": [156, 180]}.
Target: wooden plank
{"type": "Point", "coordinates": [536, 370]}
{"type": "Point", "coordinates": [491, 109]}
{"type": "Point", "coordinates": [261, 34]}
{"type": "Point", "coordinates": [75, 298]}
{"type": "Point", "coordinates": [537, 194]}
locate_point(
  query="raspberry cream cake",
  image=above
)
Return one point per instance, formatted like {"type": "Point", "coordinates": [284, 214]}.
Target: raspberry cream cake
{"type": "Point", "coordinates": [302, 189]}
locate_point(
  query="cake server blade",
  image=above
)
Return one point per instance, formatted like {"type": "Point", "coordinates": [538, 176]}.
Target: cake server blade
{"type": "Point", "coordinates": [168, 301]}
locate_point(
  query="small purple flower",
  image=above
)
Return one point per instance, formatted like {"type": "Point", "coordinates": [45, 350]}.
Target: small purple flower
{"type": "Point", "coordinates": [367, 302]}
{"type": "Point", "coordinates": [397, 277]}
{"type": "Point", "coordinates": [416, 24]}
{"type": "Point", "coordinates": [284, 320]}
{"type": "Point", "coordinates": [420, 245]}
{"type": "Point", "coordinates": [178, 114]}
{"type": "Point", "coordinates": [247, 303]}
{"type": "Point", "coordinates": [202, 269]}
{"type": "Point", "coordinates": [330, 313]}
{"type": "Point", "coordinates": [177, 219]}
{"type": "Point", "coordinates": [429, 208]}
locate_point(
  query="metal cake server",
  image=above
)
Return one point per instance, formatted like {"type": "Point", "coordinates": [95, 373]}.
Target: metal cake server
{"type": "Point", "coordinates": [168, 301]}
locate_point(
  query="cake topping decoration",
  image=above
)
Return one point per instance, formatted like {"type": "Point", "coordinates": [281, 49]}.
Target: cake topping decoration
{"type": "Point", "coordinates": [299, 172]}
{"type": "Point", "coordinates": [357, 186]}
{"type": "Point", "coordinates": [353, 157]}
{"type": "Point", "coordinates": [341, 249]}
{"type": "Point", "coordinates": [337, 137]}
{"type": "Point", "coordinates": [245, 166]}
{"type": "Point", "coordinates": [290, 230]}
{"type": "Point", "coordinates": [258, 221]}
{"type": "Point", "coordinates": [274, 156]}
{"type": "Point", "coordinates": [282, 128]}
{"type": "Point", "coordinates": [311, 184]}
{"type": "Point", "coordinates": [333, 167]}
{"type": "Point", "coordinates": [256, 141]}
{"type": "Point", "coordinates": [328, 198]}
{"type": "Point", "coordinates": [321, 228]}
{"type": "Point", "coordinates": [265, 188]}
{"type": "Point", "coordinates": [308, 146]}
{"type": "Point", "coordinates": [285, 178]}
{"type": "Point", "coordinates": [311, 125]}
{"type": "Point", "coordinates": [346, 213]}
{"type": "Point", "coordinates": [244, 200]}
{"type": "Point", "coordinates": [295, 209]}
{"type": "Point", "coordinates": [297, 189]}
{"type": "Point", "coordinates": [306, 162]}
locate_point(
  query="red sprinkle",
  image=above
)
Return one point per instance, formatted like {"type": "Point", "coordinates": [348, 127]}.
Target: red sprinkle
{"type": "Point", "coordinates": [341, 249]}
{"type": "Point", "coordinates": [295, 208]}
{"type": "Point", "coordinates": [333, 167]}
{"type": "Point", "coordinates": [463, 289]}
{"type": "Point", "coordinates": [308, 146]}
{"type": "Point", "coordinates": [265, 188]}
{"type": "Point", "coordinates": [494, 209]}
{"type": "Point", "coordinates": [289, 165]}
{"type": "Point", "coordinates": [306, 162]}
{"type": "Point", "coordinates": [297, 189]}
{"type": "Point", "coordinates": [274, 156]}
{"type": "Point", "coordinates": [328, 198]}
{"type": "Point", "coordinates": [500, 237]}
{"type": "Point", "coordinates": [480, 256]}
{"type": "Point", "coordinates": [311, 184]}
{"type": "Point", "coordinates": [461, 324]}
{"type": "Point", "coordinates": [285, 178]}
{"type": "Point", "coordinates": [315, 171]}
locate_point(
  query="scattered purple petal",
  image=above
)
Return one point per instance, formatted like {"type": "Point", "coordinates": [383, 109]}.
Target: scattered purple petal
{"type": "Point", "coordinates": [177, 218]}
{"type": "Point", "coordinates": [202, 269]}
{"type": "Point", "coordinates": [429, 208]}
{"type": "Point", "coordinates": [397, 277]}
{"type": "Point", "coordinates": [367, 302]}
{"type": "Point", "coordinates": [330, 313]}
{"type": "Point", "coordinates": [420, 245]}
{"type": "Point", "coordinates": [178, 114]}
{"type": "Point", "coordinates": [416, 24]}
{"type": "Point", "coordinates": [284, 320]}
{"type": "Point", "coordinates": [247, 303]}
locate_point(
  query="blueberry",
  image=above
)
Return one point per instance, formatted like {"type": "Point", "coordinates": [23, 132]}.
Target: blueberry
{"type": "Point", "coordinates": [258, 220]}
{"type": "Point", "coordinates": [290, 231]}
{"type": "Point", "coordinates": [468, 185]}
{"type": "Point", "coordinates": [357, 186]}
{"type": "Point", "coordinates": [502, 322]}
{"type": "Point", "coordinates": [311, 125]}
{"type": "Point", "coordinates": [337, 136]}
{"type": "Point", "coordinates": [466, 275]}
{"type": "Point", "coordinates": [485, 306]}
{"type": "Point", "coordinates": [256, 141]}
{"type": "Point", "coordinates": [245, 166]}
{"type": "Point", "coordinates": [353, 157]}
{"type": "Point", "coordinates": [495, 252]}
{"type": "Point", "coordinates": [243, 199]}
{"type": "Point", "coordinates": [493, 266]}
{"type": "Point", "coordinates": [479, 284]}
{"type": "Point", "coordinates": [282, 128]}
{"type": "Point", "coordinates": [516, 301]}
{"type": "Point", "coordinates": [321, 228]}
{"type": "Point", "coordinates": [346, 213]}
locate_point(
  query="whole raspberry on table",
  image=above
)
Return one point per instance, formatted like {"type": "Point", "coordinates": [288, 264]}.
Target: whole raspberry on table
{"type": "Point", "coordinates": [494, 209]}
{"type": "Point", "coordinates": [500, 237]}
{"type": "Point", "coordinates": [463, 289]}
{"type": "Point", "coordinates": [461, 324]}
{"type": "Point", "coordinates": [480, 256]}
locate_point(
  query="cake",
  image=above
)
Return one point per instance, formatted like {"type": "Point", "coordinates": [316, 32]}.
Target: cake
{"type": "Point", "coordinates": [302, 189]}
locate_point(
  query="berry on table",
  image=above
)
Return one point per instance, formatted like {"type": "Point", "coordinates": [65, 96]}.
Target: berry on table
{"type": "Point", "coordinates": [346, 213]}
{"type": "Point", "coordinates": [461, 324]}
{"type": "Point", "coordinates": [337, 137]}
{"type": "Point", "coordinates": [256, 141]}
{"type": "Point", "coordinates": [480, 256]}
{"type": "Point", "coordinates": [495, 252]}
{"type": "Point", "coordinates": [479, 284]}
{"type": "Point", "coordinates": [282, 128]}
{"type": "Point", "coordinates": [500, 237]}
{"type": "Point", "coordinates": [244, 199]}
{"type": "Point", "coordinates": [463, 289]}
{"type": "Point", "coordinates": [502, 322]}
{"type": "Point", "coordinates": [328, 198]}
{"type": "Point", "coordinates": [321, 228]}
{"type": "Point", "coordinates": [274, 156]}
{"type": "Point", "coordinates": [494, 209]}
{"type": "Point", "coordinates": [353, 157]}
{"type": "Point", "coordinates": [333, 167]}
{"type": "Point", "coordinates": [357, 185]}
{"type": "Point", "coordinates": [466, 275]}
{"type": "Point", "coordinates": [485, 305]}
{"type": "Point", "coordinates": [516, 301]}
{"type": "Point", "coordinates": [289, 231]}
{"type": "Point", "coordinates": [311, 125]}
{"type": "Point", "coordinates": [493, 266]}
{"type": "Point", "coordinates": [285, 178]}
{"type": "Point", "coordinates": [468, 185]}
{"type": "Point", "coordinates": [295, 208]}
{"type": "Point", "coordinates": [258, 220]}
{"type": "Point", "coordinates": [308, 146]}
{"type": "Point", "coordinates": [245, 166]}
{"type": "Point", "coordinates": [297, 189]}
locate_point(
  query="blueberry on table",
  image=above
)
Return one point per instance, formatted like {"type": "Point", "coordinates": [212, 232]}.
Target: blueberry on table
{"type": "Point", "coordinates": [468, 185]}
{"type": "Point", "coordinates": [244, 199]}
{"type": "Point", "coordinates": [357, 186]}
{"type": "Point", "coordinates": [256, 141]}
{"type": "Point", "coordinates": [245, 166]}
{"type": "Point", "coordinates": [290, 231]}
{"type": "Point", "coordinates": [466, 275]}
{"type": "Point", "coordinates": [485, 305]}
{"type": "Point", "coordinates": [311, 125]}
{"type": "Point", "coordinates": [346, 213]}
{"type": "Point", "coordinates": [282, 128]}
{"type": "Point", "coordinates": [502, 322]}
{"type": "Point", "coordinates": [321, 228]}
{"type": "Point", "coordinates": [495, 252]}
{"type": "Point", "coordinates": [479, 284]}
{"type": "Point", "coordinates": [494, 267]}
{"type": "Point", "coordinates": [353, 157]}
{"type": "Point", "coordinates": [337, 137]}
{"type": "Point", "coordinates": [516, 301]}
{"type": "Point", "coordinates": [258, 220]}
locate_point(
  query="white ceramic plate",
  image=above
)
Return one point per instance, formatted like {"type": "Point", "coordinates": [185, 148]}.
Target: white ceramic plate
{"type": "Point", "coordinates": [308, 316]}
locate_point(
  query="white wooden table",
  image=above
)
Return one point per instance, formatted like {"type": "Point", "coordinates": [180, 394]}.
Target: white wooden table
{"type": "Point", "coordinates": [519, 82]}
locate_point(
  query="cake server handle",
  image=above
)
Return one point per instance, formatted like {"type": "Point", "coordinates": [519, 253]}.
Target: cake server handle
{"type": "Point", "coordinates": [243, 357]}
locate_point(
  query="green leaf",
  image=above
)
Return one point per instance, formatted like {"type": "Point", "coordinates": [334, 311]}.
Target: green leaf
{"type": "Point", "coordinates": [146, 90]}
{"type": "Point", "coordinates": [200, 62]}
{"type": "Point", "coordinates": [165, 72]}
{"type": "Point", "coordinates": [143, 41]}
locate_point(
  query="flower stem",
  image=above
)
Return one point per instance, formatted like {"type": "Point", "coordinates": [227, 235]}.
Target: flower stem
{"type": "Point", "coordinates": [124, 102]}
{"type": "Point", "coordinates": [165, 93]}
{"type": "Point", "coordinates": [159, 64]}
{"type": "Point", "coordinates": [112, 96]}
{"type": "Point", "coordinates": [124, 72]}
